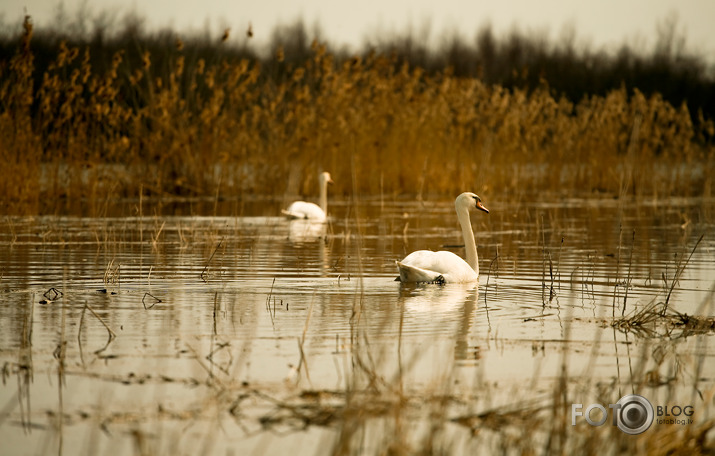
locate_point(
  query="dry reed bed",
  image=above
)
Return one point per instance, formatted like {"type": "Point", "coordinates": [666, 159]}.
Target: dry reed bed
{"type": "Point", "coordinates": [227, 127]}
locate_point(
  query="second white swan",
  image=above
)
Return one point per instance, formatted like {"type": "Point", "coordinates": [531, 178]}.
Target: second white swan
{"type": "Point", "coordinates": [444, 266]}
{"type": "Point", "coordinates": [311, 211]}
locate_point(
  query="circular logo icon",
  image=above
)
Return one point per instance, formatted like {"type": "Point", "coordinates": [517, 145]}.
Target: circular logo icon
{"type": "Point", "coordinates": [635, 414]}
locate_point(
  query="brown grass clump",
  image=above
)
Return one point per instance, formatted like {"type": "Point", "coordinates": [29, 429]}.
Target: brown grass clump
{"type": "Point", "coordinates": [655, 320]}
{"type": "Point", "coordinates": [195, 127]}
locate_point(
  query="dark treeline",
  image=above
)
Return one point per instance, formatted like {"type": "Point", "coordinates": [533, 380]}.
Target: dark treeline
{"type": "Point", "coordinates": [516, 60]}
{"type": "Point", "coordinates": [523, 61]}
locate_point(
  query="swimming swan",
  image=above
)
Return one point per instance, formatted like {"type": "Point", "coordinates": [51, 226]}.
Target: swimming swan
{"type": "Point", "coordinates": [446, 267]}
{"type": "Point", "coordinates": [311, 211]}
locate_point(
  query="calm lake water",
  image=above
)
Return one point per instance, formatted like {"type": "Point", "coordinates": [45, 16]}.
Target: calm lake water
{"type": "Point", "coordinates": [244, 332]}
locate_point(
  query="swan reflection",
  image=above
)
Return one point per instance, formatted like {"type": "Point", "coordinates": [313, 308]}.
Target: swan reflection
{"type": "Point", "coordinates": [301, 230]}
{"type": "Point", "coordinates": [450, 307]}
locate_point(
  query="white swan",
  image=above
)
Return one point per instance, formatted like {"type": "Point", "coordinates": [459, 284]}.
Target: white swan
{"type": "Point", "coordinates": [443, 266]}
{"type": "Point", "coordinates": [311, 211]}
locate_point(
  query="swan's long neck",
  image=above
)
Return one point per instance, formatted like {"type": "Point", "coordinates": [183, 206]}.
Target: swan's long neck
{"type": "Point", "coordinates": [470, 245]}
{"type": "Point", "coordinates": [324, 194]}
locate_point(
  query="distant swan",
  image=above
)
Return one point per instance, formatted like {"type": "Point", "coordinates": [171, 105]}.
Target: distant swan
{"type": "Point", "coordinates": [311, 211]}
{"type": "Point", "coordinates": [443, 266]}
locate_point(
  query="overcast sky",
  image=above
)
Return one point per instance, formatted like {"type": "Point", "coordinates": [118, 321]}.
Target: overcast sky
{"type": "Point", "coordinates": [600, 23]}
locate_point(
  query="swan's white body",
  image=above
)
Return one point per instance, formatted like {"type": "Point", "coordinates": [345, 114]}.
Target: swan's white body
{"type": "Point", "coordinates": [443, 266]}
{"type": "Point", "coordinates": [311, 211]}
{"type": "Point", "coordinates": [305, 210]}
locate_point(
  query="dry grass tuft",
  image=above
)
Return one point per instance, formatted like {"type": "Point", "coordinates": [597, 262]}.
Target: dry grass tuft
{"type": "Point", "coordinates": [654, 320]}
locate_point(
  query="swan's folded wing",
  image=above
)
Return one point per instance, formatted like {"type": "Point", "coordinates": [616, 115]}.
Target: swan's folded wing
{"type": "Point", "coordinates": [291, 214]}
{"type": "Point", "coordinates": [304, 210]}
{"type": "Point", "coordinates": [414, 274]}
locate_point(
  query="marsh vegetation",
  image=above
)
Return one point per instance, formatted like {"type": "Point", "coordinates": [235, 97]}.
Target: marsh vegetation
{"type": "Point", "coordinates": [89, 119]}
{"type": "Point", "coordinates": [152, 301]}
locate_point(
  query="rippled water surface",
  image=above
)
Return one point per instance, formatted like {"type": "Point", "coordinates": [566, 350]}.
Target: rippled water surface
{"type": "Point", "coordinates": [170, 334]}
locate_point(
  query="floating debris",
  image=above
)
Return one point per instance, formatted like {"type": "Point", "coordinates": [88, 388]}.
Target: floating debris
{"type": "Point", "coordinates": [152, 299]}
{"type": "Point", "coordinates": [51, 295]}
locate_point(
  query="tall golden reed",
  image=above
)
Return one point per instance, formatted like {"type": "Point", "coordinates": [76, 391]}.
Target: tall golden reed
{"type": "Point", "coordinates": [187, 129]}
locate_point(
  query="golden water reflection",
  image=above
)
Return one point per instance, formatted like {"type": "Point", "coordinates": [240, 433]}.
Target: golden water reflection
{"type": "Point", "coordinates": [167, 323]}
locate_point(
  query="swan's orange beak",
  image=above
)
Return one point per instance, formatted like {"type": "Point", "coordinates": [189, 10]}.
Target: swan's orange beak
{"type": "Point", "coordinates": [481, 207]}
{"type": "Point", "coordinates": [330, 181]}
